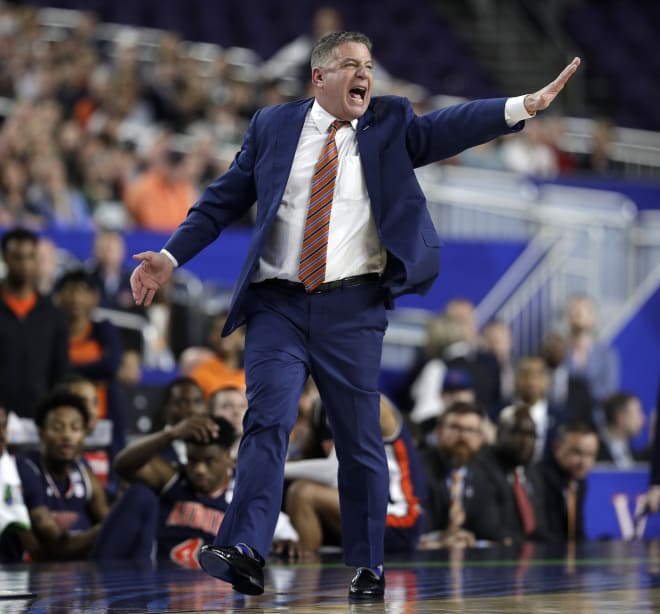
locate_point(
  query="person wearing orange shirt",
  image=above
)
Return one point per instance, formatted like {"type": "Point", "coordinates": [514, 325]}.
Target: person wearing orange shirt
{"type": "Point", "coordinates": [94, 347]}
{"type": "Point", "coordinates": [225, 367]}
{"type": "Point", "coordinates": [159, 199]}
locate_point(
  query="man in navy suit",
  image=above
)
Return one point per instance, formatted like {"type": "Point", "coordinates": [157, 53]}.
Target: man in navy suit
{"type": "Point", "coordinates": [377, 243]}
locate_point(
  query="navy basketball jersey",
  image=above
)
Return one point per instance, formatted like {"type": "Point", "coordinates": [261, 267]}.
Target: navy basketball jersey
{"type": "Point", "coordinates": [189, 520]}
{"type": "Point", "coordinates": [407, 490]}
{"type": "Point", "coordinates": [66, 499]}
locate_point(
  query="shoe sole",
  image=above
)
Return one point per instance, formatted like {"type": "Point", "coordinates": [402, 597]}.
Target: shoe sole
{"type": "Point", "coordinates": [214, 565]}
{"type": "Point", "coordinates": [363, 598]}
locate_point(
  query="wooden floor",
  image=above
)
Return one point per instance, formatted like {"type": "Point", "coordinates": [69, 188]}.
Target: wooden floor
{"type": "Point", "coordinates": [596, 578]}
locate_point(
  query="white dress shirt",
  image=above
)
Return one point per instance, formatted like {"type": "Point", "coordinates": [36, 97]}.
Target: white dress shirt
{"type": "Point", "coordinates": [353, 244]}
{"type": "Point", "coordinates": [539, 413]}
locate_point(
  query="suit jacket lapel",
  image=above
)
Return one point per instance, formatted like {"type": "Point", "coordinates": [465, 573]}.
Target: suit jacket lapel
{"type": "Point", "coordinates": [368, 145]}
{"type": "Point", "coordinates": [286, 140]}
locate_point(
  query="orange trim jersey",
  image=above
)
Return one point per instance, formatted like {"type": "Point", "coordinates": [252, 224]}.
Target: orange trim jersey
{"type": "Point", "coordinates": [407, 485]}
{"type": "Point", "coordinates": [83, 350]}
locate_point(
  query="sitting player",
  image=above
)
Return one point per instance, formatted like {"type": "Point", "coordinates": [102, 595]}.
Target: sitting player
{"type": "Point", "coordinates": [15, 533]}
{"type": "Point", "coordinates": [312, 499]}
{"type": "Point", "coordinates": [66, 501]}
{"type": "Point", "coordinates": [177, 509]}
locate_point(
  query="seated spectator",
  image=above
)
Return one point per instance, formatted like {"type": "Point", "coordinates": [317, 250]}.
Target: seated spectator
{"type": "Point", "coordinates": [563, 475]}
{"type": "Point", "coordinates": [107, 267]}
{"type": "Point", "coordinates": [225, 367]}
{"type": "Point", "coordinates": [481, 364]}
{"type": "Point", "coordinates": [55, 199]}
{"type": "Point", "coordinates": [509, 462]}
{"type": "Point", "coordinates": [94, 347]}
{"type": "Point", "coordinates": [529, 153]}
{"type": "Point", "coordinates": [15, 528]}
{"type": "Point", "coordinates": [456, 386]}
{"type": "Point", "coordinates": [49, 265]}
{"type": "Point", "coordinates": [159, 199]}
{"type": "Point", "coordinates": [312, 499]}
{"type": "Point", "coordinates": [496, 339]}
{"type": "Point", "coordinates": [652, 497]}
{"type": "Point", "coordinates": [568, 390]}
{"type": "Point", "coordinates": [15, 205]}
{"type": "Point", "coordinates": [624, 420]}
{"type": "Point", "coordinates": [182, 398]}
{"type": "Point", "coordinates": [587, 356]}
{"type": "Point", "coordinates": [464, 505]}
{"type": "Point", "coordinates": [419, 395]}
{"type": "Point", "coordinates": [66, 501]}
{"type": "Point", "coordinates": [531, 390]}
{"type": "Point", "coordinates": [598, 160]}
{"type": "Point", "coordinates": [230, 403]}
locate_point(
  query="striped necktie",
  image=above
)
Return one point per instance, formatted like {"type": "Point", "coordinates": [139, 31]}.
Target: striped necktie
{"type": "Point", "coordinates": [525, 507]}
{"type": "Point", "coordinates": [315, 238]}
{"type": "Point", "coordinates": [456, 509]}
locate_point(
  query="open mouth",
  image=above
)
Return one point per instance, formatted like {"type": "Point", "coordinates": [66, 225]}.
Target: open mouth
{"type": "Point", "coordinates": [357, 94]}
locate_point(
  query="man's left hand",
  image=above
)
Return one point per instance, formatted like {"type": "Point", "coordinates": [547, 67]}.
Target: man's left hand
{"type": "Point", "coordinates": [538, 101]}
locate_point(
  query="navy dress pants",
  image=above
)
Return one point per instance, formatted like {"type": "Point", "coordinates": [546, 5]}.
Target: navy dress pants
{"type": "Point", "coordinates": [337, 337]}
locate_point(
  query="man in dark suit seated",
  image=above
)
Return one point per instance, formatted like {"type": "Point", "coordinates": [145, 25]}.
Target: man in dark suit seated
{"type": "Point", "coordinates": [509, 462]}
{"type": "Point", "coordinates": [563, 474]}
{"type": "Point", "coordinates": [624, 419]}
{"type": "Point", "coordinates": [652, 503]}
{"type": "Point", "coordinates": [464, 504]}
{"type": "Point", "coordinates": [341, 229]}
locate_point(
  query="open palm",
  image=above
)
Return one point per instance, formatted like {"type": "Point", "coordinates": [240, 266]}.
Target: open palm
{"type": "Point", "coordinates": [540, 100]}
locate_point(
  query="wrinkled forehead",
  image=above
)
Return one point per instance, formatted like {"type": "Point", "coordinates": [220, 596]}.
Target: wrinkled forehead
{"type": "Point", "coordinates": [350, 51]}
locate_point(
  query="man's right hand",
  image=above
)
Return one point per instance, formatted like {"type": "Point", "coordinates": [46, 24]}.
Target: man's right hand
{"type": "Point", "coordinates": [196, 428]}
{"type": "Point", "coordinates": [154, 270]}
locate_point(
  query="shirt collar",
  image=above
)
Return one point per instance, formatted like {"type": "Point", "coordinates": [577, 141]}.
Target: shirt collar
{"type": "Point", "coordinates": [322, 119]}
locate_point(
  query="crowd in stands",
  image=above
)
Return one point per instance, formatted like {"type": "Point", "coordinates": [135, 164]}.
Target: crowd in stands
{"type": "Point", "coordinates": [483, 446]}
{"type": "Point", "coordinates": [95, 132]}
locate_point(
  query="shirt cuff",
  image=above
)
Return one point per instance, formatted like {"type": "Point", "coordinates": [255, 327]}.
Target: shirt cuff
{"type": "Point", "coordinates": [171, 258]}
{"type": "Point", "coordinates": [514, 110]}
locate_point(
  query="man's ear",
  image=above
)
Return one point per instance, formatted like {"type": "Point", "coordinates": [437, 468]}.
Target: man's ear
{"type": "Point", "coordinates": [317, 76]}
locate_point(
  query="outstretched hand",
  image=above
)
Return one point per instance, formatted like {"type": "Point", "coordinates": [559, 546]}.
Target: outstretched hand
{"type": "Point", "coordinates": [153, 271]}
{"type": "Point", "coordinates": [538, 101]}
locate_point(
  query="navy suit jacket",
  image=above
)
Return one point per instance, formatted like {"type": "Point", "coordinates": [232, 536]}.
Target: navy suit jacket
{"type": "Point", "coordinates": [392, 142]}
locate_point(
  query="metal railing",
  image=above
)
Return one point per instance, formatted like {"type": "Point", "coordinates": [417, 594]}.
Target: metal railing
{"type": "Point", "coordinates": [579, 241]}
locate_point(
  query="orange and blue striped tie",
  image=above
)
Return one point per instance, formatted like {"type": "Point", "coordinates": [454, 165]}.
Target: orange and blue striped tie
{"type": "Point", "coordinates": [456, 509]}
{"type": "Point", "coordinates": [315, 238]}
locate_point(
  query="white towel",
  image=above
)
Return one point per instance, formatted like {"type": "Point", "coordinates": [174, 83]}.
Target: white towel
{"type": "Point", "coordinates": [12, 509]}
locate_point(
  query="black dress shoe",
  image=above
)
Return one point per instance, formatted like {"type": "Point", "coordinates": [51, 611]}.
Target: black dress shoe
{"type": "Point", "coordinates": [366, 586]}
{"type": "Point", "coordinates": [243, 572]}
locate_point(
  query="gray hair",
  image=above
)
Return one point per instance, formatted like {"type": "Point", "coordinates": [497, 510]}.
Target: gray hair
{"type": "Point", "coordinates": [326, 45]}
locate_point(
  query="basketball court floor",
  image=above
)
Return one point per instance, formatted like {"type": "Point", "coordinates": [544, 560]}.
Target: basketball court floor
{"type": "Point", "coordinates": [594, 578]}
